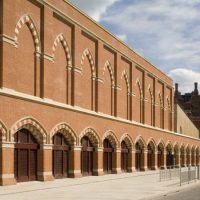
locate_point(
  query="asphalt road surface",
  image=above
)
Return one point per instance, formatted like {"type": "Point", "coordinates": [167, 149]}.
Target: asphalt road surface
{"type": "Point", "coordinates": [188, 194]}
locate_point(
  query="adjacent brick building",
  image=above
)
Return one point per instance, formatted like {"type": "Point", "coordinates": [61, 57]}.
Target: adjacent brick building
{"type": "Point", "coordinates": [190, 103]}
{"type": "Point", "coordinates": [76, 101]}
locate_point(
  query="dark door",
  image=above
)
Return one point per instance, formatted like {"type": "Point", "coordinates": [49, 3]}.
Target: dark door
{"type": "Point", "coordinates": [25, 164]}
{"type": "Point", "coordinates": [107, 156]}
{"type": "Point", "coordinates": [170, 159]}
{"type": "Point", "coordinates": [86, 157]}
{"type": "Point", "coordinates": [60, 156]}
{"type": "Point", "coordinates": [124, 157]}
{"type": "Point", "coordinates": [138, 157]}
{"type": "Point", "coordinates": [160, 157]}
{"type": "Point", "coordinates": [150, 157]}
{"type": "Point", "coordinates": [182, 158]}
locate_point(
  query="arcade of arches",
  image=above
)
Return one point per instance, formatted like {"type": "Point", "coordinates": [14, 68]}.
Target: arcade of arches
{"type": "Point", "coordinates": [87, 105]}
{"type": "Point", "coordinates": [95, 157]}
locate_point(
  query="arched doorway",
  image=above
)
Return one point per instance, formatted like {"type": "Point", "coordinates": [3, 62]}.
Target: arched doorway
{"type": "Point", "coordinates": [25, 156]}
{"type": "Point", "coordinates": [193, 157]}
{"type": "Point", "coordinates": [197, 156]}
{"type": "Point", "coordinates": [87, 153]}
{"type": "Point", "coordinates": [176, 156]}
{"type": "Point", "coordinates": [150, 156]}
{"type": "Point", "coordinates": [188, 160]}
{"type": "Point", "coordinates": [139, 156]}
{"type": "Point", "coordinates": [160, 156]}
{"type": "Point", "coordinates": [61, 150]}
{"type": "Point", "coordinates": [108, 151]}
{"type": "Point", "coordinates": [169, 157]}
{"type": "Point", "coordinates": [124, 156]}
{"type": "Point", "coordinates": [182, 157]}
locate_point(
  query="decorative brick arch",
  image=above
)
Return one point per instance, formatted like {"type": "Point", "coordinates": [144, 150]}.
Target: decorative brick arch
{"type": "Point", "coordinates": [26, 19]}
{"type": "Point", "coordinates": [86, 53]}
{"type": "Point", "coordinates": [125, 76]}
{"type": "Point", "coordinates": [182, 148]}
{"type": "Point", "coordinates": [187, 148]}
{"type": "Point", "coordinates": [141, 141]}
{"type": "Point", "coordinates": [92, 135]}
{"type": "Point", "coordinates": [160, 99]}
{"type": "Point", "coordinates": [161, 144]}
{"type": "Point", "coordinates": [67, 132]}
{"type": "Point", "coordinates": [128, 140]}
{"type": "Point", "coordinates": [61, 39]}
{"type": "Point", "coordinates": [137, 83]}
{"type": "Point", "coordinates": [169, 144]}
{"type": "Point", "coordinates": [33, 126]}
{"type": "Point", "coordinates": [112, 139]}
{"type": "Point", "coordinates": [151, 94]}
{"type": "Point", "coordinates": [111, 72]}
{"type": "Point", "coordinates": [4, 137]}
{"type": "Point", "coordinates": [197, 149]}
{"type": "Point", "coordinates": [192, 148]}
{"type": "Point", "coordinates": [152, 143]}
{"type": "Point", "coordinates": [176, 146]}
{"type": "Point", "coordinates": [168, 104]}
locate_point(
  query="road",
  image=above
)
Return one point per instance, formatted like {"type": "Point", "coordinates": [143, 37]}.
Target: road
{"type": "Point", "coordinates": [193, 193]}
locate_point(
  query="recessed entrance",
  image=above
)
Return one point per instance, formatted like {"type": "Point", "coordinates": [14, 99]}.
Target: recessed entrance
{"type": "Point", "coordinates": [139, 156]}
{"type": "Point", "coordinates": [86, 156]}
{"type": "Point", "coordinates": [124, 157]}
{"type": "Point", "coordinates": [25, 156]}
{"type": "Point", "coordinates": [150, 157]}
{"type": "Point", "coordinates": [60, 156]}
{"type": "Point", "coordinates": [107, 156]}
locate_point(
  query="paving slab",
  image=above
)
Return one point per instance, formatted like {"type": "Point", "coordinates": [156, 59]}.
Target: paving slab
{"type": "Point", "coordinates": [126, 186]}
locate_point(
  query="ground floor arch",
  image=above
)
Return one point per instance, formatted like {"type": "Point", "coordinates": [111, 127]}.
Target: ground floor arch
{"type": "Point", "coordinates": [182, 157]}
{"type": "Point", "coordinates": [25, 156]}
{"type": "Point", "coordinates": [188, 157]}
{"type": "Point", "coordinates": [176, 156]}
{"type": "Point", "coordinates": [61, 155]}
{"type": "Point", "coordinates": [139, 156]}
{"type": "Point", "coordinates": [160, 156]}
{"type": "Point", "coordinates": [87, 156]}
{"type": "Point", "coordinates": [151, 156]}
{"type": "Point", "coordinates": [124, 157]}
{"type": "Point", "coordinates": [169, 156]}
{"type": "Point", "coordinates": [108, 156]}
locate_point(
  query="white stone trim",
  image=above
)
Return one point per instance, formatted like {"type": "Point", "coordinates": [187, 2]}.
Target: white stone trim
{"type": "Point", "coordinates": [77, 148]}
{"type": "Point", "coordinates": [75, 171]}
{"type": "Point", "coordinates": [8, 39]}
{"type": "Point", "coordinates": [6, 176]}
{"type": "Point", "coordinates": [45, 173]}
{"type": "Point", "coordinates": [46, 146]}
{"type": "Point", "coordinates": [97, 170]}
{"type": "Point", "coordinates": [10, 145]}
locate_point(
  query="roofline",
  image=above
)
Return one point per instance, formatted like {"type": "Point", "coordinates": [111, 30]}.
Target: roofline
{"type": "Point", "coordinates": [112, 35]}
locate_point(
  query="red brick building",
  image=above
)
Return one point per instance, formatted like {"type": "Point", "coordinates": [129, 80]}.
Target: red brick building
{"type": "Point", "coordinates": [76, 101]}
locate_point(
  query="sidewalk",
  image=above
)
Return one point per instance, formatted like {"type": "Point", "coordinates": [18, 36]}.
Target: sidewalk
{"type": "Point", "coordinates": [129, 186]}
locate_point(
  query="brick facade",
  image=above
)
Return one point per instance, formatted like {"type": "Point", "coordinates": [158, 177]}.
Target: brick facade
{"type": "Point", "coordinates": [61, 72]}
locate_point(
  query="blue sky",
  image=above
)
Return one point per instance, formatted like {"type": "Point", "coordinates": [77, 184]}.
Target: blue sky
{"type": "Point", "coordinates": [166, 32]}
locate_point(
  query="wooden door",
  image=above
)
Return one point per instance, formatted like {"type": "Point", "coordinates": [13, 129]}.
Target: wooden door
{"type": "Point", "coordinates": [25, 156]}
{"type": "Point", "coordinates": [169, 159]}
{"type": "Point", "coordinates": [160, 157]}
{"type": "Point", "coordinates": [124, 157]}
{"type": "Point", "coordinates": [107, 156]}
{"type": "Point", "coordinates": [61, 150]}
{"type": "Point", "coordinates": [150, 157]}
{"type": "Point", "coordinates": [138, 157]}
{"type": "Point", "coordinates": [86, 157]}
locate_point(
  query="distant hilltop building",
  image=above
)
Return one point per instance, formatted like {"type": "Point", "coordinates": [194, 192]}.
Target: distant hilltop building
{"type": "Point", "coordinates": [190, 103]}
